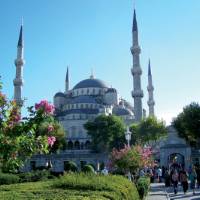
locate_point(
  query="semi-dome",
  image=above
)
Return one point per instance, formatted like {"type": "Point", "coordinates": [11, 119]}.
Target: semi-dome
{"type": "Point", "coordinates": [59, 94]}
{"type": "Point", "coordinates": [91, 82]}
{"type": "Point", "coordinates": [119, 111]}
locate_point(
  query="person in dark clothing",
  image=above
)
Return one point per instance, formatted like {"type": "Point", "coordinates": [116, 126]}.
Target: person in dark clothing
{"type": "Point", "coordinates": [167, 179]}
{"type": "Point", "coordinates": [184, 180]}
{"type": "Point", "coordinates": [175, 181]}
{"type": "Point", "coordinates": [198, 176]}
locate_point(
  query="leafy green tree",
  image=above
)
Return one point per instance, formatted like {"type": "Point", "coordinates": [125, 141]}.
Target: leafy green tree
{"type": "Point", "coordinates": [148, 130]}
{"type": "Point", "coordinates": [106, 132]}
{"type": "Point", "coordinates": [187, 123]}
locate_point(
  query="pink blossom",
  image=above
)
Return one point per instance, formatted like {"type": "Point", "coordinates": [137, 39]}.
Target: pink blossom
{"type": "Point", "coordinates": [48, 108]}
{"type": "Point", "coordinates": [50, 128]}
{"type": "Point", "coordinates": [51, 140]}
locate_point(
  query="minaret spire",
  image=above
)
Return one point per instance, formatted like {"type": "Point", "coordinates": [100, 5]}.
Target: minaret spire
{"type": "Point", "coordinates": [19, 62]}
{"type": "Point", "coordinates": [136, 70]}
{"type": "Point", "coordinates": [67, 81]}
{"type": "Point", "coordinates": [150, 89]}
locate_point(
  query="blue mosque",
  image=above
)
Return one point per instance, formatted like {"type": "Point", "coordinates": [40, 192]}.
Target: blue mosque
{"type": "Point", "coordinates": [92, 97]}
{"type": "Point", "coordinates": [85, 101]}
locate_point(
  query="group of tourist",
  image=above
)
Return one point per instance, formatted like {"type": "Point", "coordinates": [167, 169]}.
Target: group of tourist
{"type": "Point", "coordinates": [175, 175]}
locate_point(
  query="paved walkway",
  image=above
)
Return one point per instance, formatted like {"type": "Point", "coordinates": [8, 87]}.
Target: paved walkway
{"type": "Point", "coordinates": [159, 192]}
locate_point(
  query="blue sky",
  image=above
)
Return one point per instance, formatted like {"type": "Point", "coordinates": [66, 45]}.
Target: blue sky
{"type": "Point", "coordinates": [96, 34]}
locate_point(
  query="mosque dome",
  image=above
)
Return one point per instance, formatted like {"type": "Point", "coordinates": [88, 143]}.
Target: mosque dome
{"type": "Point", "coordinates": [119, 111]}
{"type": "Point", "coordinates": [91, 82]}
{"type": "Point", "coordinates": [59, 94]}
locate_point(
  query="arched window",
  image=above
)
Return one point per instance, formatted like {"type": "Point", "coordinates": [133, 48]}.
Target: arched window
{"type": "Point", "coordinates": [82, 91]}
{"type": "Point", "coordinates": [88, 91]}
{"type": "Point", "coordinates": [93, 91]}
{"type": "Point", "coordinates": [81, 105]}
{"type": "Point", "coordinates": [87, 144]}
{"type": "Point", "coordinates": [70, 145]}
{"type": "Point", "coordinates": [77, 145]}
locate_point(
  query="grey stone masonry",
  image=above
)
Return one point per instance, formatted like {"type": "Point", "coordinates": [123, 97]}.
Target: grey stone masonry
{"type": "Point", "coordinates": [137, 92]}
{"type": "Point", "coordinates": [19, 62]}
{"type": "Point", "coordinates": [150, 89]}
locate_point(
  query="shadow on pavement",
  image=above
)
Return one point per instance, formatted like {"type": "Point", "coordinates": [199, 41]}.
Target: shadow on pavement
{"type": "Point", "coordinates": [180, 196]}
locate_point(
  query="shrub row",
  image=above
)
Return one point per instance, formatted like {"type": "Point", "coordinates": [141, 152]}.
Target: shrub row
{"type": "Point", "coordinates": [8, 179]}
{"type": "Point", "coordinates": [117, 186]}
{"type": "Point", "coordinates": [142, 185]}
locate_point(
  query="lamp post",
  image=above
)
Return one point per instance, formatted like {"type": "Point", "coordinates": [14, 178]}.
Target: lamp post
{"type": "Point", "coordinates": [128, 136]}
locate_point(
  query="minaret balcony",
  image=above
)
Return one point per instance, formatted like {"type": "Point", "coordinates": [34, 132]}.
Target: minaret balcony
{"type": "Point", "coordinates": [18, 82]}
{"type": "Point", "coordinates": [151, 103]}
{"type": "Point", "coordinates": [136, 71]}
{"type": "Point", "coordinates": [19, 62]}
{"type": "Point", "coordinates": [135, 49]}
{"type": "Point", "coordinates": [137, 93]}
{"type": "Point", "coordinates": [150, 88]}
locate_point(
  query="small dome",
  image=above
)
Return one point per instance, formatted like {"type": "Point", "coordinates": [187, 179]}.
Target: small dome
{"type": "Point", "coordinates": [59, 94]}
{"type": "Point", "coordinates": [87, 83]}
{"type": "Point", "coordinates": [121, 111]}
{"type": "Point", "coordinates": [111, 90]}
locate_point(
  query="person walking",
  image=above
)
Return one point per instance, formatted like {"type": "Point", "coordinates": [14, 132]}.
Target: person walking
{"type": "Point", "coordinates": [193, 177]}
{"type": "Point", "coordinates": [184, 180]}
{"type": "Point", "coordinates": [198, 176]}
{"type": "Point", "coordinates": [167, 179]}
{"type": "Point", "coordinates": [175, 181]}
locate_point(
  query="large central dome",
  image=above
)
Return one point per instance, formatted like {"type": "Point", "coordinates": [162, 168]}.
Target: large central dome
{"type": "Point", "coordinates": [91, 82]}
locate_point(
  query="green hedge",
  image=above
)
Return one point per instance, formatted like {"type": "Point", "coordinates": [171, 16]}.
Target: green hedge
{"type": "Point", "coordinates": [73, 186]}
{"type": "Point", "coordinates": [114, 187]}
{"type": "Point", "coordinates": [88, 169]}
{"type": "Point", "coordinates": [70, 166]}
{"type": "Point", "coordinates": [142, 185]}
{"type": "Point", "coordinates": [39, 175]}
{"type": "Point", "coordinates": [8, 178]}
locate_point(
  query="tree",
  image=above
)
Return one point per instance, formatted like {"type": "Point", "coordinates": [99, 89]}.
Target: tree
{"type": "Point", "coordinates": [130, 159]}
{"type": "Point", "coordinates": [106, 132]}
{"type": "Point", "coordinates": [187, 124]}
{"type": "Point", "coordinates": [148, 130]}
{"type": "Point", "coordinates": [22, 138]}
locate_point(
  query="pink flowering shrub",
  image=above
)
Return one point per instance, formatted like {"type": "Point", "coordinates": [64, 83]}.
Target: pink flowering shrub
{"type": "Point", "coordinates": [20, 138]}
{"type": "Point", "coordinates": [130, 158]}
{"type": "Point", "coordinates": [50, 128]}
{"type": "Point", "coordinates": [51, 140]}
{"type": "Point", "coordinates": [45, 106]}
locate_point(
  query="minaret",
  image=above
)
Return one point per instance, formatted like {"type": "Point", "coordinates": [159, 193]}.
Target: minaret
{"type": "Point", "coordinates": [136, 70]}
{"type": "Point", "coordinates": [67, 81]}
{"type": "Point", "coordinates": [150, 89]}
{"type": "Point", "coordinates": [19, 62]}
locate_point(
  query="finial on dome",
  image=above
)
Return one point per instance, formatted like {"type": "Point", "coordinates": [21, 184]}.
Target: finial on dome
{"type": "Point", "coordinates": [92, 74]}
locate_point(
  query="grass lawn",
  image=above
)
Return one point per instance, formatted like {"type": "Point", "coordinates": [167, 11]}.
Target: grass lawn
{"type": "Point", "coordinates": [73, 187]}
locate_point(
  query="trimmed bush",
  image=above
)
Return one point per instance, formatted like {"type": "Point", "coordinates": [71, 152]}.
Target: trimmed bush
{"type": "Point", "coordinates": [39, 175]}
{"type": "Point", "coordinates": [71, 166]}
{"type": "Point", "coordinates": [73, 186]}
{"type": "Point", "coordinates": [142, 185]}
{"type": "Point", "coordinates": [8, 179]}
{"type": "Point", "coordinates": [112, 187]}
{"type": "Point", "coordinates": [88, 169]}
